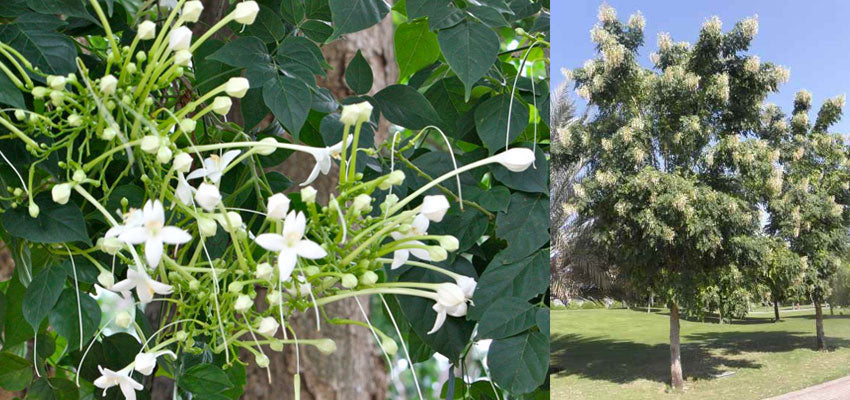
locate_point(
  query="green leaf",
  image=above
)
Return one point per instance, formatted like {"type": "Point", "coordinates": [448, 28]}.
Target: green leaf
{"type": "Point", "coordinates": [495, 199]}
{"type": "Point", "coordinates": [424, 8]}
{"type": "Point", "coordinates": [543, 320]}
{"type": "Point", "coordinates": [415, 47]}
{"type": "Point", "coordinates": [525, 226]}
{"type": "Point", "coordinates": [289, 100]}
{"type": "Point", "coordinates": [15, 372]}
{"type": "Point", "coordinates": [204, 379]}
{"type": "Point", "coordinates": [507, 316]}
{"type": "Point", "coordinates": [54, 53]}
{"type": "Point", "coordinates": [292, 11]}
{"type": "Point", "coordinates": [10, 94]}
{"type": "Point", "coordinates": [3, 306]}
{"type": "Point", "coordinates": [55, 223]}
{"type": "Point", "coordinates": [467, 226]}
{"type": "Point", "coordinates": [404, 106]}
{"type": "Point", "coordinates": [297, 54]}
{"type": "Point", "coordinates": [242, 52]}
{"type": "Point", "coordinates": [535, 179]}
{"type": "Point", "coordinates": [493, 123]}
{"type": "Point", "coordinates": [358, 74]}
{"type": "Point", "coordinates": [66, 321]}
{"type": "Point", "coordinates": [488, 15]}
{"type": "Point", "coordinates": [316, 30]}
{"type": "Point", "coordinates": [42, 294]}
{"type": "Point", "coordinates": [519, 364]}
{"type": "Point", "coordinates": [446, 95]}
{"type": "Point", "coordinates": [70, 8]}
{"type": "Point", "coordinates": [253, 107]}
{"type": "Point", "coordinates": [210, 73]}
{"type": "Point", "coordinates": [268, 27]}
{"type": "Point", "coordinates": [13, 8]}
{"type": "Point", "coordinates": [445, 18]}
{"type": "Point", "coordinates": [53, 389]}
{"type": "Point", "coordinates": [524, 279]}
{"type": "Point", "coordinates": [356, 15]}
{"type": "Point", "coordinates": [470, 48]}
{"type": "Point", "coordinates": [18, 332]}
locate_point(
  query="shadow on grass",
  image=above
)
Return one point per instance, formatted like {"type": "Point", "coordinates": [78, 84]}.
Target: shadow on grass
{"type": "Point", "coordinates": [704, 356]}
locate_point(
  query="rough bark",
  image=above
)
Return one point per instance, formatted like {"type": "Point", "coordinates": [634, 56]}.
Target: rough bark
{"type": "Point", "coordinates": [821, 336]}
{"type": "Point", "coordinates": [676, 379]}
{"type": "Point", "coordinates": [775, 311]}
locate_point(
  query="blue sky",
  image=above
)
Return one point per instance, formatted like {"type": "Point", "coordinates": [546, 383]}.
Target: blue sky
{"type": "Point", "coordinates": [811, 38]}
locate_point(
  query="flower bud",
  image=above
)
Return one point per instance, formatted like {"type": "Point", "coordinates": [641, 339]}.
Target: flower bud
{"type": "Point", "coordinates": [181, 336]}
{"type": "Point", "coordinates": [264, 150]}
{"type": "Point", "coordinates": [111, 245]}
{"type": "Point", "coordinates": [274, 298]}
{"type": "Point", "coordinates": [308, 195]}
{"type": "Point", "coordinates": [350, 114]}
{"type": "Point", "coordinates": [39, 92]}
{"type": "Point", "coordinates": [34, 210]}
{"type": "Point", "coordinates": [57, 97]}
{"type": "Point", "coordinates": [362, 203]}
{"type": "Point", "coordinates": [180, 39]}
{"type": "Point", "coordinates": [450, 294]}
{"type": "Point", "coordinates": [56, 82]}
{"type": "Point", "coordinates": [236, 87]}
{"type": "Point", "coordinates": [182, 57]}
{"type": "Point", "coordinates": [163, 155]}
{"type": "Point", "coordinates": [262, 360]}
{"type": "Point", "coordinates": [79, 176]}
{"type": "Point", "coordinates": [516, 160]}
{"type": "Point", "coordinates": [277, 206]}
{"type": "Point", "coordinates": [437, 253]}
{"type": "Point", "coordinates": [246, 12]}
{"type": "Point", "coordinates": [448, 242]}
{"type": "Point", "coordinates": [108, 133]}
{"type": "Point", "coordinates": [243, 303]}
{"type": "Point", "coordinates": [61, 193]}
{"type": "Point", "coordinates": [349, 281]}
{"type": "Point", "coordinates": [235, 287]}
{"type": "Point", "coordinates": [106, 279]}
{"type": "Point", "coordinates": [208, 196]}
{"type": "Point", "coordinates": [394, 178]}
{"type": "Point", "coordinates": [131, 68]}
{"type": "Point", "coordinates": [467, 285]}
{"type": "Point", "coordinates": [147, 31]}
{"type": "Point", "coordinates": [268, 326]}
{"type": "Point", "coordinates": [74, 120]}
{"type": "Point", "coordinates": [389, 345]}
{"type": "Point", "coordinates": [230, 221]}
{"type": "Point", "coordinates": [264, 271]}
{"type": "Point", "coordinates": [368, 278]}
{"type": "Point", "coordinates": [123, 319]}
{"type": "Point", "coordinates": [221, 105]}
{"type": "Point", "coordinates": [108, 84]}
{"type": "Point", "coordinates": [326, 346]}
{"type": "Point", "coordinates": [188, 125]}
{"type": "Point", "coordinates": [150, 144]}
{"type": "Point", "coordinates": [206, 226]}
{"type": "Point", "coordinates": [141, 56]}
{"type": "Point", "coordinates": [192, 10]}
{"type": "Point", "coordinates": [434, 207]}
{"type": "Point", "coordinates": [182, 162]}
{"type": "Point", "coordinates": [20, 115]}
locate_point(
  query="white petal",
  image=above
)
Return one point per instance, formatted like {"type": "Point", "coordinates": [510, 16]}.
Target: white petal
{"type": "Point", "coordinates": [156, 213]}
{"type": "Point", "coordinates": [159, 287]}
{"type": "Point", "coordinates": [399, 258]}
{"type": "Point", "coordinates": [271, 241]}
{"type": "Point", "coordinates": [123, 286]}
{"type": "Point", "coordinates": [153, 251]}
{"type": "Point", "coordinates": [145, 293]}
{"type": "Point", "coordinates": [228, 157]}
{"type": "Point", "coordinates": [136, 235]}
{"type": "Point", "coordinates": [286, 264]}
{"type": "Point", "coordinates": [198, 173]}
{"type": "Point", "coordinates": [438, 323]}
{"type": "Point", "coordinates": [421, 254]}
{"type": "Point", "coordinates": [174, 235]}
{"type": "Point", "coordinates": [420, 225]}
{"type": "Point", "coordinates": [294, 225]}
{"type": "Point", "coordinates": [309, 249]}
{"type": "Point", "coordinates": [313, 175]}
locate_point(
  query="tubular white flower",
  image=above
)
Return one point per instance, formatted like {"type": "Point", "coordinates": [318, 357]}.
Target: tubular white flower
{"type": "Point", "coordinates": [61, 193]}
{"type": "Point", "coordinates": [183, 191]}
{"type": "Point", "coordinates": [147, 30]}
{"type": "Point", "coordinates": [467, 285]}
{"type": "Point", "coordinates": [231, 221]}
{"type": "Point", "coordinates": [163, 155]}
{"type": "Point", "coordinates": [154, 233]}
{"type": "Point", "coordinates": [365, 111]}
{"type": "Point", "coordinates": [434, 207]}
{"type": "Point", "coordinates": [207, 196]}
{"type": "Point", "coordinates": [268, 327]}
{"type": "Point", "coordinates": [56, 82]}
{"type": "Point", "coordinates": [182, 162]}
{"type": "Point", "coordinates": [449, 242]}
{"type": "Point", "coordinates": [268, 149]}
{"type": "Point", "coordinates": [291, 244]}
{"type": "Point", "coordinates": [192, 10]}
{"type": "Point", "coordinates": [108, 84]}
{"type": "Point", "coordinates": [517, 159]}
{"type": "Point", "coordinates": [243, 303]}
{"type": "Point", "coordinates": [350, 114]}
{"type": "Point", "coordinates": [246, 12]}
{"type": "Point", "coordinates": [180, 39]}
{"type": "Point", "coordinates": [106, 279]}
{"type": "Point", "coordinates": [308, 195]}
{"type": "Point", "coordinates": [417, 228]}
{"type": "Point", "coordinates": [114, 307]}
{"type": "Point", "coordinates": [277, 206]}
{"type": "Point", "coordinates": [182, 57]}
{"type": "Point", "coordinates": [451, 300]}
{"type": "Point", "coordinates": [323, 160]}
{"type": "Point", "coordinates": [236, 87]}
{"type": "Point", "coordinates": [146, 362]}
{"type": "Point", "coordinates": [144, 285]}
{"type": "Point", "coordinates": [325, 346]}
{"type": "Point", "coordinates": [150, 144]}
{"type": "Point", "coordinates": [109, 378]}
{"type": "Point", "coordinates": [221, 105]}
{"type": "Point", "coordinates": [214, 165]}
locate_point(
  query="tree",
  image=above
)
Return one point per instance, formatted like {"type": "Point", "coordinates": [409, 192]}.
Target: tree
{"type": "Point", "coordinates": [810, 213]}
{"type": "Point", "coordinates": [674, 172]}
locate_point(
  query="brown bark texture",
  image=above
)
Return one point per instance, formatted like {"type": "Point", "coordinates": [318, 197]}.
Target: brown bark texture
{"type": "Point", "coordinates": [821, 336]}
{"type": "Point", "coordinates": [676, 379]}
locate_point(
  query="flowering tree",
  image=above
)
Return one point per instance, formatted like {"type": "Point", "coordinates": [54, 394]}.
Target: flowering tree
{"type": "Point", "coordinates": [124, 184]}
{"type": "Point", "coordinates": [675, 171]}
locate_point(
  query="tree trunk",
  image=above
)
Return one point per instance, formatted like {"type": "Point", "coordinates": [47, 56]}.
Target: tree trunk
{"type": "Point", "coordinates": [775, 310]}
{"type": "Point", "coordinates": [676, 379]}
{"type": "Point", "coordinates": [821, 337]}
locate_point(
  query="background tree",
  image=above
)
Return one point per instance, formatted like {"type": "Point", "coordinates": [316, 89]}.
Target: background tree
{"type": "Point", "coordinates": [671, 155]}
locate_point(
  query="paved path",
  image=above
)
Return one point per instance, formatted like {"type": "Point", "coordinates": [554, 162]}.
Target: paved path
{"type": "Point", "coordinates": [838, 389]}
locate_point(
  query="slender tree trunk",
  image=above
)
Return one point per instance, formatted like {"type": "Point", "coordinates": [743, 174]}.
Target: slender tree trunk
{"type": "Point", "coordinates": [821, 337]}
{"type": "Point", "coordinates": [775, 310]}
{"type": "Point", "coordinates": [676, 379]}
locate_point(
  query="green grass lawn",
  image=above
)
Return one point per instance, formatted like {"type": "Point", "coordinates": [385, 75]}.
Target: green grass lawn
{"type": "Point", "coordinates": [624, 354]}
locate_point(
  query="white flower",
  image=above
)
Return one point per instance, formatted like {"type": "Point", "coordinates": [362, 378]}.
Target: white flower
{"type": "Point", "coordinates": [450, 300]}
{"type": "Point", "coordinates": [264, 271]}
{"type": "Point", "coordinates": [182, 162]}
{"type": "Point", "coordinates": [146, 362]}
{"type": "Point", "coordinates": [213, 166]}
{"type": "Point", "coordinates": [277, 206]}
{"type": "Point", "coordinates": [221, 105]}
{"type": "Point", "coordinates": [308, 195]}
{"type": "Point", "coordinates": [122, 379]}
{"type": "Point", "coordinates": [153, 233]}
{"type": "Point", "coordinates": [243, 303]}
{"type": "Point", "coordinates": [267, 148]}
{"type": "Point", "coordinates": [147, 30]}
{"type": "Point", "coordinates": [417, 228]}
{"type": "Point", "coordinates": [61, 193]}
{"type": "Point", "coordinates": [207, 196]}
{"type": "Point", "coordinates": [163, 155]}
{"type": "Point", "coordinates": [144, 285]}
{"type": "Point", "coordinates": [236, 87]}
{"type": "Point", "coordinates": [434, 207]}
{"type": "Point", "coordinates": [246, 12]}
{"type": "Point", "coordinates": [106, 279]}
{"type": "Point", "coordinates": [467, 285]}
{"type": "Point", "coordinates": [356, 113]}
{"type": "Point", "coordinates": [183, 191]}
{"type": "Point", "coordinates": [114, 307]}
{"type": "Point", "coordinates": [182, 58]}
{"type": "Point", "coordinates": [56, 82]}
{"type": "Point", "coordinates": [180, 39]}
{"type": "Point", "coordinates": [516, 160]}
{"type": "Point", "coordinates": [231, 221]}
{"type": "Point", "coordinates": [323, 160]}
{"type": "Point", "coordinates": [361, 203]}
{"type": "Point", "coordinates": [394, 178]}
{"type": "Point", "coordinates": [192, 10]}
{"type": "Point", "coordinates": [188, 125]}
{"type": "Point", "coordinates": [108, 84]}
{"type": "Point", "coordinates": [268, 326]}
{"type": "Point", "coordinates": [150, 143]}
{"type": "Point", "coordinates": [133, 218]}
{"type": "Point", "coordinates": [291, 244]}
